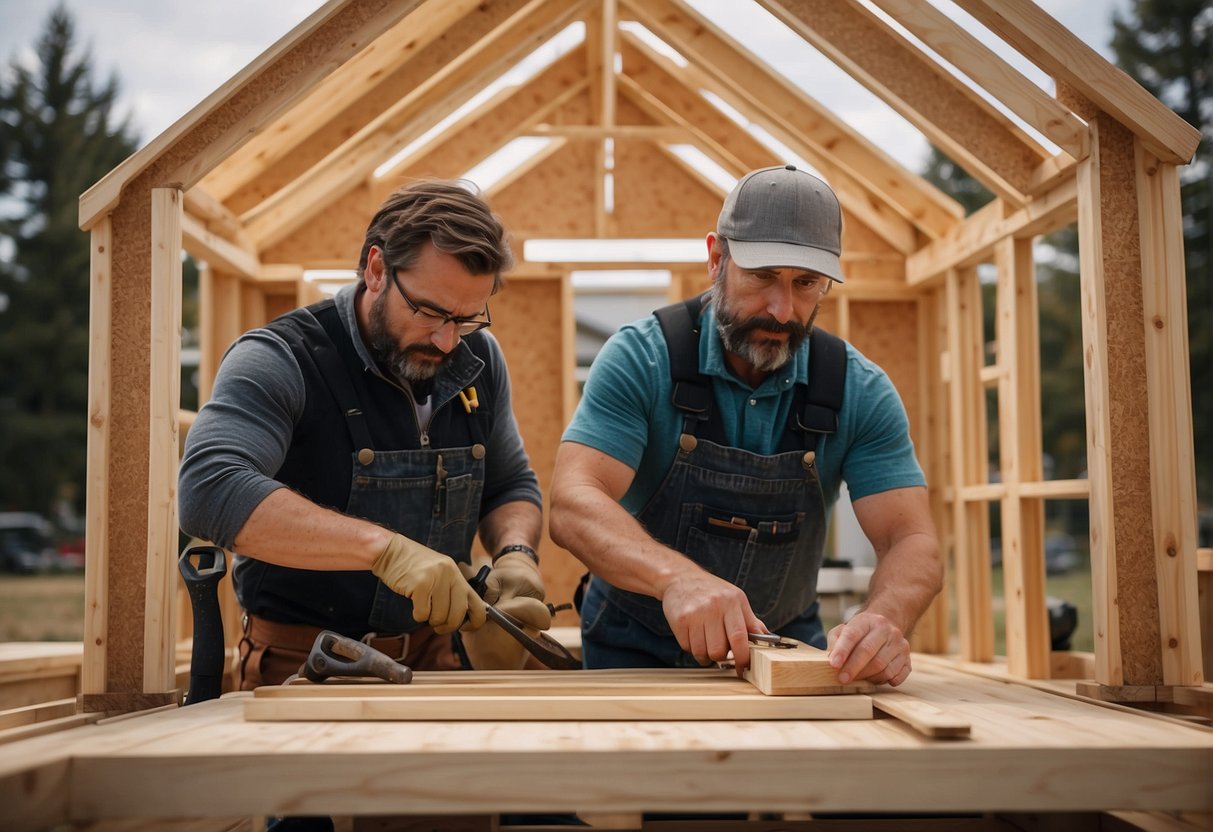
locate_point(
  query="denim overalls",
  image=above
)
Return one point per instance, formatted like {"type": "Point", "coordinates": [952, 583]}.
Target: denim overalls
{"type": "Point", "coordinates": [756, 521]}
{"type": "Point", "coordinates": [429, 495]}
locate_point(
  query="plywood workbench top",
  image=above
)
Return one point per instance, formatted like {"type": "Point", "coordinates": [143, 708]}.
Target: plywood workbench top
{"type": "Point", "coordinates": [1029, 750]}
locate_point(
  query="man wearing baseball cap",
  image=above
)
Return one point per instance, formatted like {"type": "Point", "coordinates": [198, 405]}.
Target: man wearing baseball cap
{"type": "Point", "coordinates": [697, 474]}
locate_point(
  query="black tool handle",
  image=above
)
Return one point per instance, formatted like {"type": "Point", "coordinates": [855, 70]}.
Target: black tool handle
{"type": "Point", "coordinates": [202, 583]}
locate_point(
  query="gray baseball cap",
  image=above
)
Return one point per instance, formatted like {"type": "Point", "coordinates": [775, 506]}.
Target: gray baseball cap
{"type": "Point", "coordinates": [782, 217]}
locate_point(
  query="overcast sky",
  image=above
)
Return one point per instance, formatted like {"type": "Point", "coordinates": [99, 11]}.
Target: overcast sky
{"type": "Point", "coordinates": [170, 54]}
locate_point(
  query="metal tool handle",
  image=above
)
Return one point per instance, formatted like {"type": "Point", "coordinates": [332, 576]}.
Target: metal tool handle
{"type": "Point", "coordinates": [336, 655]}
{"type": "Point", "coordinates": [202, 584]}
{"type": "Point", "coordinates": [542, 646]}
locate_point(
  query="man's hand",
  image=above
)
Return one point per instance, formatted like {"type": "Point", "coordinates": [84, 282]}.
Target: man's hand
{"type": "Point", "coordinates": [514, 575]}
{"type": "Point", "coordinates": [870, 647]}
{"type": "Point", "coordinates": [433, 582]}
{"type": "Point", "coordinates": [492, 648]}
{"type": "Point", "coordinates": [710, 616]}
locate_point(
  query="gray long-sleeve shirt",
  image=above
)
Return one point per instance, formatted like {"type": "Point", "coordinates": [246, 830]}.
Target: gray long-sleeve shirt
{"type": "Point", "coordinates": [241, 436]}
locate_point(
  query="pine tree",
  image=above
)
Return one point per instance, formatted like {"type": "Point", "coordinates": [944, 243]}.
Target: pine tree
{"type": "Point", "coordinates": [1167, 46]}
{"type": "Point", "coordinates": [58, 135]}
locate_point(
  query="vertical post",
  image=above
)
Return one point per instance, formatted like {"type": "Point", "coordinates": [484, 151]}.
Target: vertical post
{"type": "Point", "coordinates": [165, 400]}
{"type": "Point", "coordinates": [96, 630]}
{"type": "Point", "coordinates": [970, 521]}
{"type": "Point", "coordinates": [1170, 398]}
{"type": "Point", "coordinates": [1019, 449]}
{"type": "Point", "coordinates": [931, 634]}
{"type": "Point", "coordinates": [1117, 396]}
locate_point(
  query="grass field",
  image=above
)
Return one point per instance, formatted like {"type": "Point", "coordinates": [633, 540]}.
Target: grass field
{"type": "Point", "coordinates": [42, 607]}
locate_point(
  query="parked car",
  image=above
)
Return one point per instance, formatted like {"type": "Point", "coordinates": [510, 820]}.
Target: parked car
{"type": "Point", "coordinates": [25, 543]}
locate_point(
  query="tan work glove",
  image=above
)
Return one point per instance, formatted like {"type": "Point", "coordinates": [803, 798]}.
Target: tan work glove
{"type": "Point", "coordinates": [433, 582]}
{"type": "Point", "coordinates": [492, 648]}
{"type": "Point", "coordinates": [514, 575]}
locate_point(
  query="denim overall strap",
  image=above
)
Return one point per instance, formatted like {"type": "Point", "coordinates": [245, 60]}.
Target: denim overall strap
{"type": "Point", "coordinates": [757, 521]}
{"type": "Point", "coordinates": [431, 496]}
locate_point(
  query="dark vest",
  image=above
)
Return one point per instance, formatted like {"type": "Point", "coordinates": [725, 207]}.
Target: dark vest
{"type": "Point", "coordinates": [349, 408]}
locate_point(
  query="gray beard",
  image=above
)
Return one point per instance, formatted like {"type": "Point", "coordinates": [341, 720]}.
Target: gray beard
{"type": "Point", "coordinates": [765, 354]}
{"type": "Point", "coordinates": [397, 361]}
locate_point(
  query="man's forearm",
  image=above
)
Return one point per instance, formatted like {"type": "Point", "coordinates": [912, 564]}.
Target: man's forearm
{"type": "Point", "coordinates": [906, 579]}
{"type": "Point", "coordinates": [612, 543]}
{"type": "Point", "coordinates": [517, 522]}
{"type": "Point", "coordinates": [287, 529]}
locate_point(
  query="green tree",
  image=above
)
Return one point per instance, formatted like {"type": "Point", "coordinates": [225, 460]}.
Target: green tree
{"type": "Point", "coordinates": [1167, 46]}
{"type": "Point", "coordinates": [58, 135]}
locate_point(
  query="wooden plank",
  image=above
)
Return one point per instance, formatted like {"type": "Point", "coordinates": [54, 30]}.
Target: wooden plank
{"type": "Point", "coordinates": [1049, 45]}
{"type": "Point", "coordinates": [1099, 425]}
{"type": "Point", "coordinates": [994, 75]}
{"type": "Point", "coordinates": [432, 99]}
{"type": "Point", "coordinates": [37, 712]}
{"type": "Point", "coordinates": [802, 671]}
{"type": "Point", "coordinates": [923, 717]}
{"type": "Point", "coordinates": [558, 708]}
{"type": "Point", "coordinates": [986, 143]}
{"type": "Point", "coordinates": [1019, 455]}
{"type": "Point", "coordinates": [1172, 473]}
{"type": "Point", "coordinates": [226, 118]}
{"type": "Point", "coordinates": [1057, 489]}
{"type": "Point", "coordinates": [785, 110]}
{"type": "Point", "coordinates": [966, 400]}
{"type": "Point", "coordinates": [165, 399]}
{"type": "Point", "coordinates": [97, 510]}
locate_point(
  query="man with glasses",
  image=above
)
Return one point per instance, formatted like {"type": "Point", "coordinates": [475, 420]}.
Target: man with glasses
{"type": "Point", "coordinates": [696, 476]}
{"type": "Point", "coordinates": [352, 450]}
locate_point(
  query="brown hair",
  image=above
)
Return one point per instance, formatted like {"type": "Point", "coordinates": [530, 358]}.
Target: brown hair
{"type": "Point", "coordinates": [456, 220]}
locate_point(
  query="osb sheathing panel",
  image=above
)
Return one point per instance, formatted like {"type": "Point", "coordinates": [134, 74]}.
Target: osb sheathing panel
{"type": "Point", "coordinates": [130, 363]}
{"type": "Point", "coordinates": [655, 198]}
{"type": "Point", "coordinates": [362, 112]}
{"type": "Point", "coordinates": [459, 152]}
{"type": "Point", "coordinates": [555, 199]}
{"type": "Point", "coordinates": [1136, 578]}
{"type": "Point", "coordinates": [527, 320]}
{"type": "Point", "coordinates": [887, 333]}
{"type": "Point", "coordinates": [334, 234]}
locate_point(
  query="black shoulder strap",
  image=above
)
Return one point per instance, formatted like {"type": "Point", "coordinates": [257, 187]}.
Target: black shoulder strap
{"type": "Point", "coordinates": [310, 335]}
{"type": "Point", "coordinates": [680, 326]}
{"type": "Point", "coordinates": [815, 406]}
{"type": "Point", "coordinates": [827, 382]}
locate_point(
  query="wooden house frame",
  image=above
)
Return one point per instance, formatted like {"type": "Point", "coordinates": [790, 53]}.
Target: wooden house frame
{"type": "Point", "coordinates": [274, 175]}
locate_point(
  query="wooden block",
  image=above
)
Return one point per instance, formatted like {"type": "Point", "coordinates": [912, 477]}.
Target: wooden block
{"type": "Point", "coordinates": [92, 702]}
{"type": "Point", "coordinates": [803, 671]}
{"type": "Point", "coordinates": [922, 716]}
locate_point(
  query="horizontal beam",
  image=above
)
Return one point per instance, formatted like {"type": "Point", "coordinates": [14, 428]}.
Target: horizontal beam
{"type": "Point", "coordinates": [974, 240]}
{"type": "Point", "coordinates": [221, 253]}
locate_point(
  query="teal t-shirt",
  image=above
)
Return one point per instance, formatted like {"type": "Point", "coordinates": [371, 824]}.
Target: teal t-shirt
{"type": "Point", "coordinates": [626, 413]}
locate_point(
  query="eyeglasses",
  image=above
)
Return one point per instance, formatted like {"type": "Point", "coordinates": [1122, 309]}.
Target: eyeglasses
{"type": "Point", "coordinates": [433, 319]}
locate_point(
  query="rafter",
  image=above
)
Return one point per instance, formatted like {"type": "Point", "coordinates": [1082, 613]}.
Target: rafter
{"type": "Point", "coordinates": [787, 112]}
{"type": "Point", "coordinates": [662, 77]}
{"type": "Point", "coordinates": [991, 147]}
{"type": "Point", "coordinates": [359, 79]}
{"type": "Point", "coordinates": [965, 52]}
{"type": "Point", "coordinates": [1054, 49]}
{"type": "Point", "coordinates": [262, 91]}
{"type": "Point", "coordinates": [434, 98]}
